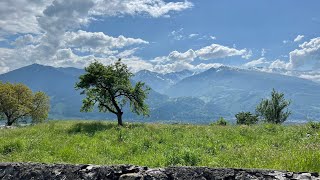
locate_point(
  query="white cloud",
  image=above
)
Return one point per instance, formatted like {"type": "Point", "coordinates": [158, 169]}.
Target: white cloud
{"type": "Point", "coordinates": [307, 57]}
{"type": "Point", "coordinates": [216, 51]}
{"type": "Point", "coordinates": [25, 40]}
{"type": "Point", "coordinates": [203, 66]}
{"type": "Point", "coordinates": [187, 56]}
{"type": "Point", "coordinates": [278, 64]}
{"type": "Point", "coordinates": [193, 35]}
{"type": "Point", "coordinates": [262, 62]}
{"type": "Point", "coordinates": [182, 65]}
{"type": "Point", "coordinates": [154, 8]}
{"type": "Point", "coordinates": [177, 61]}
{"type": "Point", "coordinates": [298, 38]}
{"type": "Point", "coordinates": [263, 52]}
{"type": "Point", "coordinates": [213, 37]}
{"type": "Point", "coordinates": [127, 53]}
{"type": "Point", "coordinates": [177, 34]}
{"type": "Point", "coordinates": [312, 77]}
{"type": "Point", "coordinates": [5, 54]}
{"type": "Point", "coordinates": [58, 18]}
{"type": "Point", "coordinates": [46, 29]}
{"type": "Point", "coordinates": [136, 64]}
{"type": "Point", "coordinates": [20, 16]}
{"type": "Point", "coordinates": [98, 42]}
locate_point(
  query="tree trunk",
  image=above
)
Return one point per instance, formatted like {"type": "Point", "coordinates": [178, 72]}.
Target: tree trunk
{"type": "Point", "coordinates": [9, 122]}
{"type": "Point", "coordinates": [119, 116]}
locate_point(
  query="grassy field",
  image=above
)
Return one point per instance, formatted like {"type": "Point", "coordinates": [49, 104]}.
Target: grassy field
{"type": "Point", "coordinates": [294, 147]}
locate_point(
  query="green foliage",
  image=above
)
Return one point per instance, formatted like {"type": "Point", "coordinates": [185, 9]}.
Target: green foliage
{"type": "Point", "coordinates": [110, 88]}
{"type": "Point", "coordinates": [11, 147]}
{"type": "Point", "coordinates": [221, 122]}
{"type": "Point", "coordinates": [246, 118]}
{"type": "Point", "coordinates": [184, 157]}
{"type": "Point", "coordinates": [267, 146]}
{"type": "Point", "coordinates": [18, 102]}
{"type": "Point", "coordinates": [314, 125]}
{"type": "Point", "coordinates": [273, 110]}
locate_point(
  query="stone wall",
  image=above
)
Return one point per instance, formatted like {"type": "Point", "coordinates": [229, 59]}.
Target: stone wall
{"type": "Point", "coordinates": [129, 172]}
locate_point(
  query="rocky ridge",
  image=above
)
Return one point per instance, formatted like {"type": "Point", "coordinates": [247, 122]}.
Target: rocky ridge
{"type": "Point", "coordinates": [130, 172]}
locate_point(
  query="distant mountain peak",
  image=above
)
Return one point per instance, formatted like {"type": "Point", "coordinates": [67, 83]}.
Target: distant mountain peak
{"type": "Point", "coordinates": [224, 68]}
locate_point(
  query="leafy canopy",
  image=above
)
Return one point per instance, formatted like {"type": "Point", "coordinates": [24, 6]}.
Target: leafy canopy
{"type": "Point", "coordinates": [17, 102]}
{"type": "Point", "coordinates": [246, 118]}
{"type": "Point", "coordinates": [273, 110]}
{"type": "Point", "coordinates": [110, 88]}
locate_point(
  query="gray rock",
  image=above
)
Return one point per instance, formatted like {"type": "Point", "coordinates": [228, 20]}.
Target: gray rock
{"type": "Point", "coordinates": [131, 176]}
{"type": "Point", "coordinates": [39, 171]}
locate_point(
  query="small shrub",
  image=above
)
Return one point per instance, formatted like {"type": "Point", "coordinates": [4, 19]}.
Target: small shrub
{"type": "Point", "coordinates": [270, 127]}
{"type": "Point", "coordinates": [12, 147]}
{"type": "Point", "coordinates": [222, 122]}
{"type": "Point", "coordinates": [184, 157]}
{"type": "Point", "coordinates": [190, 158]}
{"type": "Point", "coordinates": [246, 118]}
{"type": "Point", "coordinates": [173, 159]}
{"type": "Point", "coordinates": [314, 125]}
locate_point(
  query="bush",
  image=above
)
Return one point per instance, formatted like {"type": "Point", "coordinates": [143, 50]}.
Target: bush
{"type": "Point", "coordinates": [11, 147]}
{"type": "Point", "coordinates": [184, 157]}
{"type": "Point", "coordinates": [221, 122]}
{"type": "Point", "coordinates": [246, 118]}
{"type": "Point", "coordinates": [314, 125]}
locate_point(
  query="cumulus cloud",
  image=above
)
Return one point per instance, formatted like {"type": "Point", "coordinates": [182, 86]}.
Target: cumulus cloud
{"type": "Point", "coordinates": [298, 38]}
{"type": "Point", "coordinates": [278, 64]}
{"type": "Point", "coordinates": [187, 56]}
{"type": "Point", "coordinates": [98, 42]}
{"type": "Point", "coordinates": [307, 56]}
{"type": "Point", "coordinates": [25, 40]}
{"type": "Point", "coordinates": [49, 30]}
{"type": "Point", "coordinates": [5, 54]}
{"type": "Point", "coordinates": [20, 16]}
{"type": "Point", "coordinates": [177, 61]}
{"type": "Point", "coordinates": [216, 51]}
{"type": "Point", "coordinates": [154, 8]}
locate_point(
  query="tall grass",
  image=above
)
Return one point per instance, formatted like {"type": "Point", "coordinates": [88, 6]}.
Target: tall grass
{"type": "Point", "coordinates": [294, 147]}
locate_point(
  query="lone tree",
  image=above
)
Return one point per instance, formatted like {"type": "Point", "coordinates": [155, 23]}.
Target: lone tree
{"type": "Point", "coordinates": [17, 102]}
{"type": "Point", "coordinates": [110, 88]}
{"type": "Point", "coordinates": [273, 110]}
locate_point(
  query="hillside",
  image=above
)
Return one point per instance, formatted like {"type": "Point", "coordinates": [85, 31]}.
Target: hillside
{"type": "Point", "coordinates": [234, 90]}
{"type": "Point", "coordinates": [158, 145]}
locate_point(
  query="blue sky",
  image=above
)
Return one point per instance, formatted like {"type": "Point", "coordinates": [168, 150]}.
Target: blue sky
{"type": "Point", "coordinates": [162, 35]}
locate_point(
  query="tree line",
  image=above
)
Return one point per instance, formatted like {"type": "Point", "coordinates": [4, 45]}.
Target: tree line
{"type": "Point", "coordinates": [109, 88]}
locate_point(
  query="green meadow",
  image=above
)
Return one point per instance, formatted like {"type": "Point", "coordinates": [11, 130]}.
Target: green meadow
{"type": "Point", "coordinates": [267, 146]}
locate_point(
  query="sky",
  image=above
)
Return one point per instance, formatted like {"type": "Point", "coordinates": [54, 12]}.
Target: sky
{"type": "Point", "coordinates": [162, 35]}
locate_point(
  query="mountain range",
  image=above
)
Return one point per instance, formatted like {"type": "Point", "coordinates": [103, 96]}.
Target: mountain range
{"type": "Point", "coordinates": [180, 96]}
